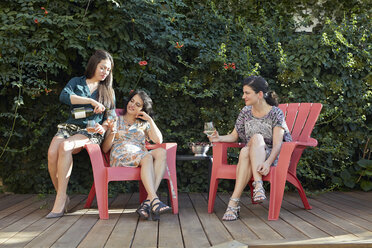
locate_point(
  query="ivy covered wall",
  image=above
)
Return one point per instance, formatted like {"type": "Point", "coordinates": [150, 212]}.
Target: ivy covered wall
{"type": "Point", "coordinates": [196, 51]}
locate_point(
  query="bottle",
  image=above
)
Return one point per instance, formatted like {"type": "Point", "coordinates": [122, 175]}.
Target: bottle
{"type": "Point", "coordinates": [82, 112]}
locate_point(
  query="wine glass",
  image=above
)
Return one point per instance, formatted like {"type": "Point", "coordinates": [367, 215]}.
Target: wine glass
{"type": "Point", "coordinates": [209, 128]}
{"type": "Point", "coordinates": [91, 126]}
{"type": "Point", "coordinates": [111, 115]}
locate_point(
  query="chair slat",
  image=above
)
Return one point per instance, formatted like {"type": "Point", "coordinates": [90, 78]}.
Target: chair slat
{"type": "Point", "coordinates": [303, 112]}
{"type": "Point", "coordinates": [311, 120]}
{"type": "Point", "coordinates": [290, 119]}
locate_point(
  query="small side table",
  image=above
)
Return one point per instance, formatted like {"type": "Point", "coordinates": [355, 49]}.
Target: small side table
{"type": "Point", "coordinates": [207, 158]}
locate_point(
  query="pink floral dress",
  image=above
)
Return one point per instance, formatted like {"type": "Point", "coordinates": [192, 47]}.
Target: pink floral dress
{"type": "Point", "coordinates": [128, 147]}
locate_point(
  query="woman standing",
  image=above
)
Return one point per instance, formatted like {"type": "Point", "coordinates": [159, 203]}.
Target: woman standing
{"type": "Point", "coordinates": [88, 97]}
{"type": "Point", "coordinates": [127, 137]}
{"type": "Point", "coordinates": [261, 125]}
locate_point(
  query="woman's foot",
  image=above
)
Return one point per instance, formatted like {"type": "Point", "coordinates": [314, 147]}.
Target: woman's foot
{"type": "Point", "coordinates": [157, 208]}
{"type": "Point", "coordinates": [60, 211]}
{"type": "Point", "coordinates": [144, 209]}
{"type": "Point", "coordinates": [232, 211]}
{"type": "Point", "coordinates": [258, 192]}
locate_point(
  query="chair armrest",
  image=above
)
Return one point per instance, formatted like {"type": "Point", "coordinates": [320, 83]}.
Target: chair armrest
{"type": "Point", "coordinates": [96, 156]}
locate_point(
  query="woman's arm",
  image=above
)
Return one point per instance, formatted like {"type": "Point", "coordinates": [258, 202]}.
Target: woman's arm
{"type": "Point", "coordinates": [232, 137]}
{"type": "Point", "coordinates": [154, 133]}
{"type": "Point", "coordinates": [109, 137]}
{"type": "Point", "coordinates": [278, 134]}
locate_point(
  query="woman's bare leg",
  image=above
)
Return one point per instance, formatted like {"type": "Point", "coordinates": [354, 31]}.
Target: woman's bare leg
{"type": "Point", "coordinates": [243, 175]}
{"type": "Point", "coordinates": [160, 164]}
{"type": "Point", "coordinates": [53, 159]}
{"type": "Point", "coordinates": [64, 167]}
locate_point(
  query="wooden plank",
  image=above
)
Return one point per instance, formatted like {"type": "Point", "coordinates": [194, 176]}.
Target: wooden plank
{"type": "Point", "coordinates": [365, 197]}
{"type": "Point", "coordinates": [22, 223]}
{"type": "Point", "coordinates": [78, 230]}
{"type": "Point", "coordinates": [323, 224]}
{"type": "Point", "coordinates": [10, 199]}
{"type": "Point", "coordinates": [342, 204]}
{"type": "Point", "coordinates": [298, 223]}
{"type": "Point", "coordinates": [146, 234]}
{"type": "Point", "coordinates": [286, 230]}
{"type": "Point", "coordinates": [98, 235]}
{"type": "Point", "coordinates": [170, 233]}
{"type": "Point", "coordinates": [23, 237]}
{"type": "Point", "coordinates": [14, 217]}
{"type": "Point", "coordinates": [123, 233]}
{"type": "Point", "coordinates": [17, 206]}
{"type": "Point", "coordinates": [192, 230]}
{"type": "Point", "coordinates": [329, 216]}
{"type": "Point", "coordinates": [212, 226]}
{"type": "Point", "coordinates": [352, 201]}
{"type": "Point", "coordinates": [259, 227]}
{"type": "Point", "coordinates": [55, 231]}
{"type": "Point", "coordinates": [238, 229]}
{"type": "Point", "coordinates": [341, 214]}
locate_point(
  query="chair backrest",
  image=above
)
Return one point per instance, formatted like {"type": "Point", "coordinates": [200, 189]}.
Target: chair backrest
{"type": "Point", "coordinates": [301, 118]}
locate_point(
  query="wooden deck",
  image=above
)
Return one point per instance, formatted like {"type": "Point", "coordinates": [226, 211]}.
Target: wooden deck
{"type": "Point", "coordinates": [337, 219]}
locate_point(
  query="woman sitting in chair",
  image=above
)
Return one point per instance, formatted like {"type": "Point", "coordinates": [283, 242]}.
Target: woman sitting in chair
{"type": "Point", "coordinates": [127, 137]}
{"type": "Point", "coordinates": [262, 126]}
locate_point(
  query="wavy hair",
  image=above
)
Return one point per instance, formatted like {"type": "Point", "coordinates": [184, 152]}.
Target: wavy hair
{"type": "Point", "coordinates": [106, 94]}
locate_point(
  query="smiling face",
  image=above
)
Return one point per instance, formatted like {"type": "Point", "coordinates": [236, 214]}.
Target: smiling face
{"type": "Point", "coordinates": [135, 105]}
{"type": "Point", "coordinates": [250, 96]}
{"type": "Point", "coordinates": [103, 69]}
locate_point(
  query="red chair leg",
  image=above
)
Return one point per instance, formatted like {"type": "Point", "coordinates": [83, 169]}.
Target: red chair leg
{"type": "Point", "coordinates": [102, 198]}
{"type": "Point", "coordinates": [212, 194]}
{"type": "Point", "coordinates": [91, 196]}
{"type": "Point", "coordinates": [277, 184]}
{"type": "Point", "coordinates": [142, 191]}
{"type": "Point", "coordinates": [294, 180]}
{"type": "Point", "coordinates": [173, 195]}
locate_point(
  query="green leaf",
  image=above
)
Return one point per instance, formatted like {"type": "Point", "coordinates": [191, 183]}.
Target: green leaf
{"type": "Point", "coordinates": [365, 163]}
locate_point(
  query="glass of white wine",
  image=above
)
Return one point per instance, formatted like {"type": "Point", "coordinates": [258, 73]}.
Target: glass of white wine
{"type": "Point", "coordinates": [111, 115]}
{"type": "Point", "coordinates": [91, 126]}
{"type": "Point", "coordinates": [209, 128]}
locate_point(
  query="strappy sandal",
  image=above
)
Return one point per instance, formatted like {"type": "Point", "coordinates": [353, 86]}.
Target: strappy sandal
{"type": "Point", "coordinates": [258, 193]}
{"type": "Point", "coordinates": [156, 211]}
{"type": "Point", "coordinates": [144, 209]}
{"type": "Point", "coordinates": [232, 213]}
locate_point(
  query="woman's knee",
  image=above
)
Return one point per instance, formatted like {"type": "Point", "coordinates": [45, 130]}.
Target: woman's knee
{"type": "Point", "coordinates": [159, 153]}
{"type": "Point", "coordinates": [257, 139]}
{"type": "Point", "coordinates": [244, 153]}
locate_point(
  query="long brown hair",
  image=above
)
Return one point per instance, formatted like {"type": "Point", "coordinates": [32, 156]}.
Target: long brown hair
{"type": "Point", "coordinates": [258, 84]}
{"type": "Point", "coordinates": [106, 94]}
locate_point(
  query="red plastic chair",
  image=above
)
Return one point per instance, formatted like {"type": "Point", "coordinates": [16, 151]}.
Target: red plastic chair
{"type": "Point", "coordinates": [103, 174]}
{"type": "Point", "coordinates": [300, 118]}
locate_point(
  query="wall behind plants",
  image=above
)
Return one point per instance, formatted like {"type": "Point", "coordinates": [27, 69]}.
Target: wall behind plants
{"type": "Point", "coordinates": [44, 44]}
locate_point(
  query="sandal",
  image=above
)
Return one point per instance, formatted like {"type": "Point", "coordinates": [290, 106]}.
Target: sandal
{"type": "Point", "coordinates": [232, 213]}
{"type": "Point", "coordinates": [259, 192]}
{"type": "Point", "coordinates": [156, 211]}
{"type": "Point", "coordinates": [144, 209]}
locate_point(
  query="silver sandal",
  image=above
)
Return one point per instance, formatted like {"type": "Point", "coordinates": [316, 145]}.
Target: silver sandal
{"type": "Point", "coordinates": [234, 211]}
{"type": "Point", "coordinates": [259, 193]}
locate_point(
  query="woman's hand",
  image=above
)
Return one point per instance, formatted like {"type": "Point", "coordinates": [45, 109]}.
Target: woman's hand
{"type": "Point", "coordinates": [144, 116]}
{"type": "Point", "coordinates": [99, 129]}
{"type": "Point", "coordinates": [263, 168]}
{"type": "Point", "coordinates": [98, 107]}
{"type": "Point", "coordinates": [214, 137]}
{"type": "Point", "coordinates": [111, 125]}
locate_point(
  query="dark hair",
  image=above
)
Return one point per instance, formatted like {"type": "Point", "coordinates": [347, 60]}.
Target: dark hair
{"type": "Point", "coordinates": [258, 84]}
{"type": "Point", "coordinates": [106, 94]}
{"type": "Point", "coordinates": [147, 101]}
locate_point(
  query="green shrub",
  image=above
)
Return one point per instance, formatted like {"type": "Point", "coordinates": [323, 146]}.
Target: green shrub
{"type": "Point", "coordinates": [188, 82]}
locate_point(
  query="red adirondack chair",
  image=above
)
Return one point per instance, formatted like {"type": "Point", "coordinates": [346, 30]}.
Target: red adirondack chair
{"type": "Point", "coordinates": [103, 174]}
{"type": "Point", "coordinates": [300, 118]}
